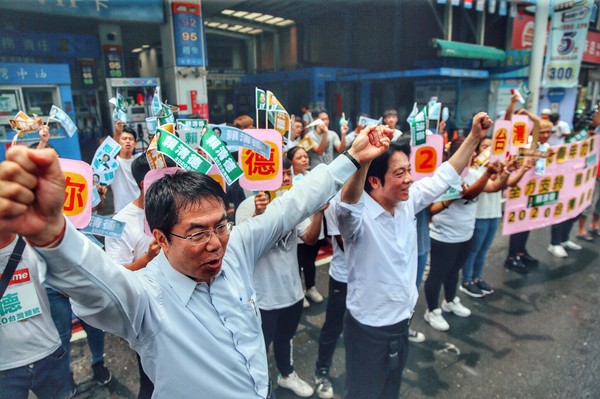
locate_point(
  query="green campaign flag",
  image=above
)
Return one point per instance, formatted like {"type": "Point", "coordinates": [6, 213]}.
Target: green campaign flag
{"type": "Point", "coordinates": [183, 155]}
{"type": "Point", "coordinates": [212, 144]}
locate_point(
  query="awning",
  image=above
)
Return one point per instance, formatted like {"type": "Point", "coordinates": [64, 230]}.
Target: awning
{"type": "Point", "coordinates": [468, 50]}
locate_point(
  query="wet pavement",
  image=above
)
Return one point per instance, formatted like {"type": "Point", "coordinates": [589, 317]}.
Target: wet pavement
{"type": "Point", "coordinates": [538, 336]}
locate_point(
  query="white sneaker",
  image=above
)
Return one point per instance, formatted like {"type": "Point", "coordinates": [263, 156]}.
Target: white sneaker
{"type": "Point", "coordinates": [415, 336]}
{"type": "Point", "coordinates": [558, 251]}
{"type": "Point", "coordinates": [436, 320]}
{"type": "Point", "coordinates": [571, 245]}
{"type": "Point", "coordinates": [456, 307]}
{"type": "Point", "coordinates": [315, 295]}
{"type": "Point", "coordinates": [305, 304]}
{"type": "Point", "coordinates": [295, 384]}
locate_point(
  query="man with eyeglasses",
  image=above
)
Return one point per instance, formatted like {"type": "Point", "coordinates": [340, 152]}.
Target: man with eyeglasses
{"type": "Point", "coordinates": [191, 313]}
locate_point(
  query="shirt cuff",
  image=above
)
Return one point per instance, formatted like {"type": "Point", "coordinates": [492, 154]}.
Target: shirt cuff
{"type": "Point", "coordinates": [448, 174]}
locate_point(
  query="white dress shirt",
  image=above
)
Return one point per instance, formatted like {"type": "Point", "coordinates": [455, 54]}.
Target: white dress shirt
{"type": "Point", "coordinates": [194, 340]}
{"type": "Point", "coordinates": [381, 251]}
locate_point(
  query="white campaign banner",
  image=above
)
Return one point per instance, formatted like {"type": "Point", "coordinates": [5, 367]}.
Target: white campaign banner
{"type": "Point", "coordinates": [566, 43]}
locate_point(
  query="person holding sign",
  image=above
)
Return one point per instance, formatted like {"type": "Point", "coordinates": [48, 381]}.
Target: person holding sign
{"type": "Point", "coordinates": [191, 313]}
{"type": "Point", "coordinates": [307, 253]}
{"type": "Point", "coordinates": [124, 187]}
{"type": "Point", "coordinates": [518, 259]}
{"type": "Point", "coordinates": [279, 293]}
{"type": "Point", "coordinates": [33, 357]}
{"type": "Point", "coordinates": [376, 215]}
{"type": "Point", "coordinates": [452, 226]}
{"type": "Point", "coordinates": [325, 141]}
{"type": "Point", "coordinates": [489, 212]}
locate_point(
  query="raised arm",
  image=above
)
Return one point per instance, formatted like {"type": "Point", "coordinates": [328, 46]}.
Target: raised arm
{"type": "Point", "coordinates": [480, 127]}
{"type": "Point", "coordinates": [514, 99]}
{"type": "Point", "coordinates": [32, 189]}
{"type": "Point", "coordinates": [322, 131]}
{"type": "Point", "coordinates": [352, 190]}
{"type": "Point", "coordinates": [314, 228]}
{"type": "Point", "coordinates": [341, 146]}
{"type": "Point", "coordinates": [477, 188]}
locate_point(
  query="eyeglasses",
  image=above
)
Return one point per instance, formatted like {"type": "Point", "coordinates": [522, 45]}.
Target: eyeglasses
{"type": "Point", "coordinates": [202, 237]}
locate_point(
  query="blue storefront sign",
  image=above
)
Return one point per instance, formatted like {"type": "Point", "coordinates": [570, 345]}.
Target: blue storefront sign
{"type": "Point", "coordinates": [188, 33]}
{"type": "Point", "coordinates": [42, 44]}
{"type": "Point", "coordinates": [32, 74]}
{"type": "Point", "coordinates": [116, 10]}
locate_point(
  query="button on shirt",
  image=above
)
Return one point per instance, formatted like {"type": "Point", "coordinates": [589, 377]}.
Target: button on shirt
{"type": "Point", "coordinates": [194, 339]}
{"type": "Point", "coordinates": [381, 251]}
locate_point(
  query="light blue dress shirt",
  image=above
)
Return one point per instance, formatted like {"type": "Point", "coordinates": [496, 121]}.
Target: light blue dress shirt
{"type": "Point", "coordinates": [194, 340]}
{"type": "Point", "coordinates": [381, 251]}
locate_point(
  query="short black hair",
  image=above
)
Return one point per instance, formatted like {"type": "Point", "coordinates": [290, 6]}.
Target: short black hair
{"type": "Point", "coordinates": [286, 163]}
{"type": "Point", "coordinates": [390, 111]}
{"type": "Point", "coordinates": [554, 117]}
{"type": "Point", "coordinates": [140, 167]}
{"type": "Point", "coordinates": [172, 193]}
{"type": "Point", "coordinates": [379, 165]}
{"type": "Point", "coordinates": [127, 129]}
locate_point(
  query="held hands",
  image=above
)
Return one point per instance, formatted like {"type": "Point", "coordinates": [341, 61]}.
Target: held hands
{"type": "Point", "coordinates": [44, 136]}
{"type": "Point", "coordinates": [371, 142]}
{"type": "Point", "coordinates": [32, 192]}
{"type": "Point", "coordinates": [344, 129]}
{"type": "Point", "coordinates": [481, 124]}
{"type": "Point", "coordinates": [510, 163]}
{"type": "Point", "coordinates": [261, 200]}
{"type": "Point", "coordinates": [493, 168]}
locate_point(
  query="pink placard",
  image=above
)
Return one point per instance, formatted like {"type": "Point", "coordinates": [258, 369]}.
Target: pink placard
{"type": "Point", "coordinates": [78, 191]}
{"type": "Point", "coordinates": [500, 140]}
{"type": "Point", "coordinates": [427, 157]}
{"type": "Point", "coordinates": [562, 193]}
{"type": "Point", "coordinates": [261, 173]}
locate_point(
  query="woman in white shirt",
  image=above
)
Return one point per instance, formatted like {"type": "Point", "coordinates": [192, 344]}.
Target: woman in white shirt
{"type": "Point", "coordinates": [453, 222]}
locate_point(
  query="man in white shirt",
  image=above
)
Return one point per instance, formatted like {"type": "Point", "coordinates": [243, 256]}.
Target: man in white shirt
{"type": "Point", "coordinates": [325, 141]}
{"type": "Point", "coordinates": [376, 215]}
{"type": "Point", "coordinates": [390, 119]}
{"type": "Point", "coordinates": [560, 130]}
{"type": "Point", "coordinates": [191, 313]}
{"type": "Point", "coordinates": [124, 187]}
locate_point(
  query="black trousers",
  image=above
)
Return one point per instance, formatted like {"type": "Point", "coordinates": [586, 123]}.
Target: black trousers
{"type": "Point", "coordinates": [445, 263]}
{"type": "Point", "coordinates": [279, 327]}
{"type": "Point", "coordinates": [334, 322]}
{"type": "Point", "coordinates": [375, 359]}
{"type": "Point", "coordinates": [517, 243]}
{"type": "Point", "coordinates": [560, 232]}
{"type": "Point", "coordinates": [146, 385]}
{"type": "Point", "coordinates": [307, 255]}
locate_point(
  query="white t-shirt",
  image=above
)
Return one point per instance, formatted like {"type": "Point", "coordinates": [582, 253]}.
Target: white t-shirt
{"type": "Point", "coordinates": [489, 205]}
{"type": "Point", "coordinates": [25, 343]}
{"type": "Point", "coordinates": [276, 278]}
{"type": "Point", "coordinates": [337, 267]}
{"type": "Point", "coordinates": [332, 140]}
{"type": "Point", "coordinates": [557, 138]}
{"type": "Point", "coordinates": [134, 242]}
{"type": "Point", "coordinates": [456, 224]}
{"type": "Point", "coordinates": [124, 187]}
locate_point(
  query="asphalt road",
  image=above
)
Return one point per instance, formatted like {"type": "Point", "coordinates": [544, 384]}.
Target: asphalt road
{"type": "Point", "coordinates": [538, 336]}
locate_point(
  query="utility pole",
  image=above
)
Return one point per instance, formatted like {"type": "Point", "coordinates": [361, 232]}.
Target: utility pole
{"type": "Point", "coordinates": [542, 11]}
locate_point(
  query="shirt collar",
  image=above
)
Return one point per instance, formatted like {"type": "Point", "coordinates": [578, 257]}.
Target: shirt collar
{"type": "Point", "coordinates": [372, 206]}
{"type": "Point", "coordinates": [182, 285]}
